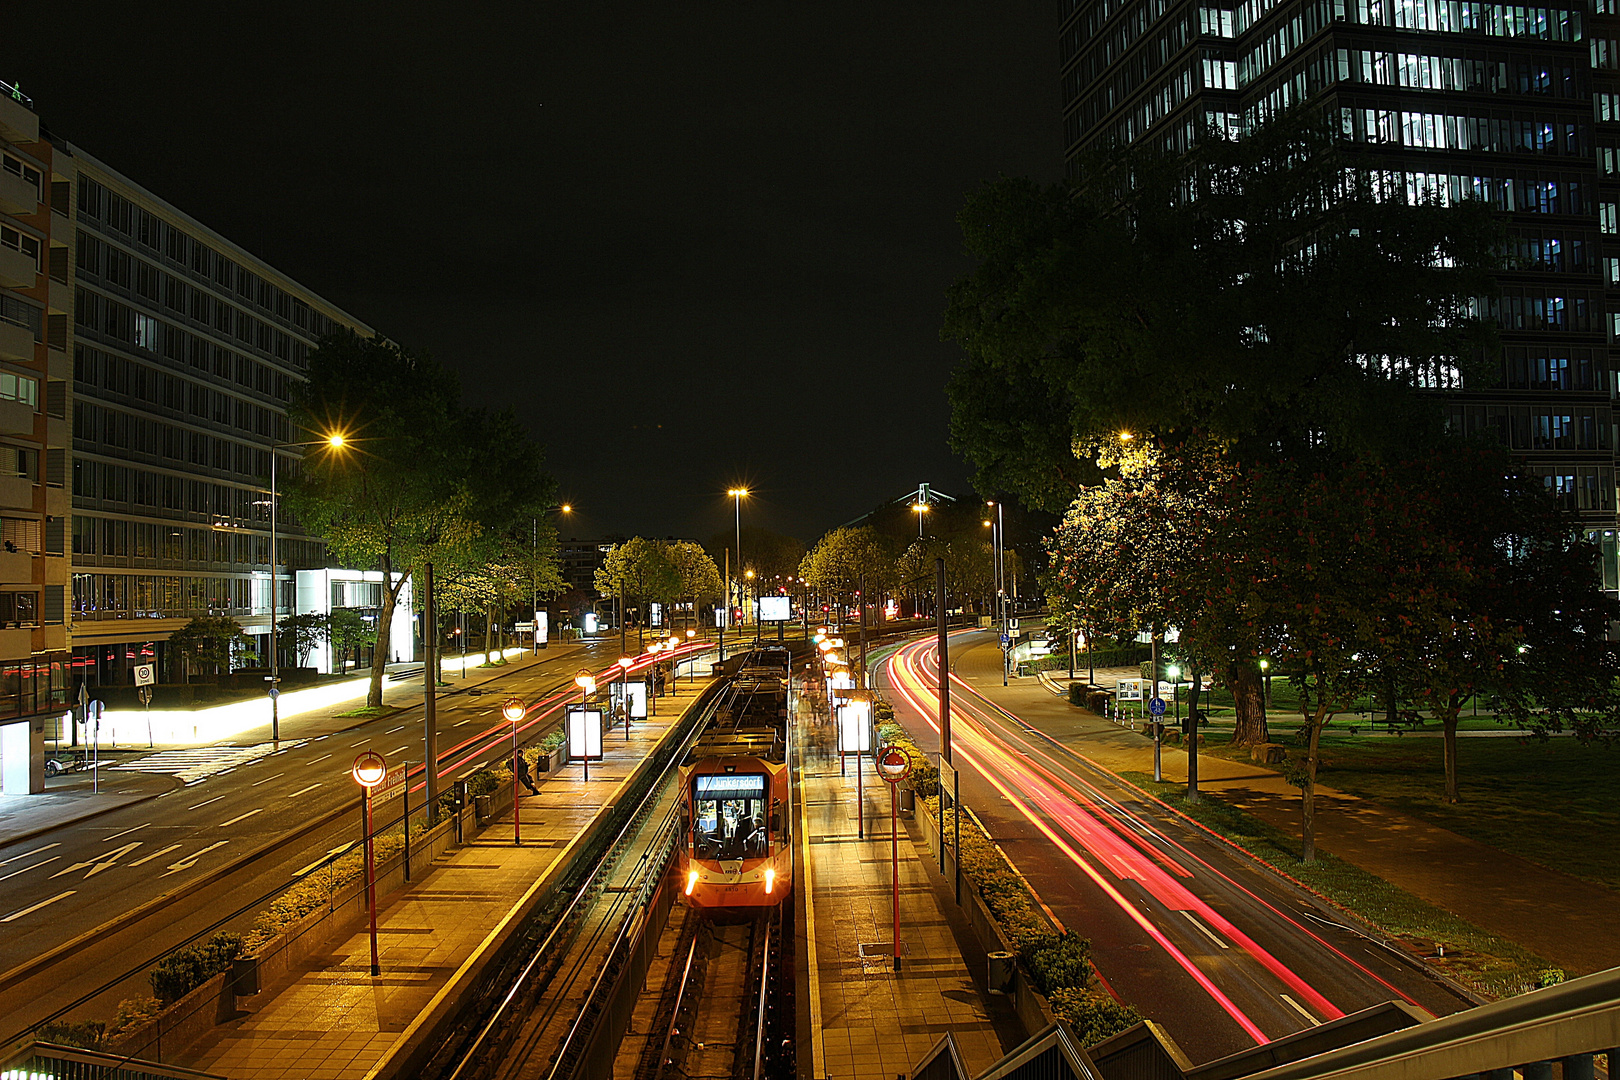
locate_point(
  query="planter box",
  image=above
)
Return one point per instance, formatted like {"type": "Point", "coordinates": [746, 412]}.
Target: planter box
{"type": "Point", "coordinates": [182, 1023]}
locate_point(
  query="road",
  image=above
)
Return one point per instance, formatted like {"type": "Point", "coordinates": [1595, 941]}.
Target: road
{"type": "Point", "coordinates": [240, 821]}
{"type": "Point", "coordinates": [1222, 952]}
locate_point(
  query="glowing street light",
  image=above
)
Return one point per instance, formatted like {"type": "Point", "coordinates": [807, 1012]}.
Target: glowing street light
{"type": "Point", "coordinates": [369, 770]}
{"type": "Point", "coordinates": [624, 663]}
{"type": "Point", "coordinates": [514, 709]}
{"type": "Point", "coordinates": [587, 686]}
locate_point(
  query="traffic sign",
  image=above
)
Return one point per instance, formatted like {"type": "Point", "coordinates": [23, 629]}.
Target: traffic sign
{"type": "Point", "coordinates": [1004, 639]}
{"type": "Point", "coordinates": [893, 763]}
{"type": "Point", "coordinates": [1156, 706]}
{"type": "Point", "coordinates": [274, 693]}
{"type": "Point", "coordinates": [145, 674]}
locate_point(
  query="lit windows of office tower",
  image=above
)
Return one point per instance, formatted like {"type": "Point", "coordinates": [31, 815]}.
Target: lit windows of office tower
{"type": "Point", "coordinates": [1449, 98]}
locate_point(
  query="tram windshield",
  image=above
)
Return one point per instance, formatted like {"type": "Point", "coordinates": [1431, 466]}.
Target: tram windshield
{"type": "Point", "coordinates": [729, 816]}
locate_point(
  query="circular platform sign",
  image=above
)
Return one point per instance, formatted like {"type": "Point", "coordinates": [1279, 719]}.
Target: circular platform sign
{"type": "Point", "coordinates": [1156, 706]}
{"type": "Point", "coordinates": [893, 764]}
{"type": "Point", "coordinates": [369, 769]}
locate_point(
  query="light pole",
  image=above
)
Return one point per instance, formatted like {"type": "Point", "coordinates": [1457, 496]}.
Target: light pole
{"type": "Point", "coordinates": [369, 770]}
{"type": "Point", "coordinates": [514, 709]}
{"type": "Point", "coordinates": [922, 512]}
{"type": "Point", "coordinates": [998, 548]}
{"type": "Point", "coordinates": [691, 670]}
{"type": "Point", "coordinates": [624, 692]}
{"type": "Point", "coordinates": [587, 686]}
{"type": "Point", "coordinates": [748, 579]}
{"type": "Point", "coordinates": [335, 441]}
{"type": "Point", "coordinates": [736, 501]}
{"type": "Point", "coordinates": [534, 579]}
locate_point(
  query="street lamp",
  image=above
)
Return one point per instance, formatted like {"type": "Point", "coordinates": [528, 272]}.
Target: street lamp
{"type": "Point", "coordinates": [514, 710]}
{"type": "Point", "coordinates": [1265, 687]}
{"type": "Point", "coordinates": [587, 686]}
{"type": "Point", "coordinates": [691, 669]}
{"type": "Point", "coordinates": [737, 495]}
{"type": "Point", "coordinates": [624, 663]}
{"type": "Point", "coordinates": [369, 770]}
{"type": "Point", "coordinates": [998, 549]}
{"type": "Point", "coordinates": [1174, 672]}
{"type": "Point", "coordinates": [334, 441]}
{"type": "Point", "coordinates": [534, 578]}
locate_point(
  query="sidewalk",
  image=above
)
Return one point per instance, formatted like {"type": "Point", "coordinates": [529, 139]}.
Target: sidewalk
{"type": "Point", "coordinates": [1564, 919]}
{"type": "Point", "coordinates": [867, 1021]}
{"type": "Point", "coordinates": [332, 1020]}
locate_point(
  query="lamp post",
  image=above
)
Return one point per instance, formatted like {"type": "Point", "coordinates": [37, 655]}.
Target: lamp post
{"type": "Point", "coordinates": [1174, 672]}
{"type": "Point", "coordinates": [736, 502]}
{"type": "Point", "coordinates": [624, 692]}
{"type": "Point", "coordinates": [514, 710]}
{"type": "Point", "coordinates": [691, 670]}
{"type": "Point", "coordinates": [534, 579]}
{"type": "Point", "coordinates": [587, 686]}
{"type": "Point", "coordinates": [369, 770]}
{"type": "Point", "coordinates": [1265, 685]}
{"type": "Point", "coordinates": [748, 578]}
{"type": "Point", "coordinates": [335, 441]}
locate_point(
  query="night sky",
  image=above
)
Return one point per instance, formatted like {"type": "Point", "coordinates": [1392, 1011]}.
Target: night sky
{"type": "Point", "coordinates": [694, 244]}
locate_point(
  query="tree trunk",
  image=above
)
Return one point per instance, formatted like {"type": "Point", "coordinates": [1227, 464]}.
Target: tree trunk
{"type": "Point", "coordinates": [489, 627]}
{"type": "Point", "coordinates": [1308, 792]}
{"type": "Point", "coordinates": [1449, 719]}
{"type": "Point", "coordinates": [385, 629]}
{"type": "Point", "coordinates": [1192, 732]}
{"type": "Point", "coordinates": [1244, 678]}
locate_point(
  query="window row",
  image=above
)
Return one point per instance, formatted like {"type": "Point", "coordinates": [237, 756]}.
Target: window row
{"type": "Point", "coordinates": [1525, 192]}
{"type": "Point", "coordinates": [102, 540]}
{"type": "Point", "coordinates": [166, 596]}
{"type": "Point", "coordinates": [1118, 82]}
{"type": "Point", "coordinates": [23, 171]}
{"type": "Point", "coordinates": [108, 429]}
{"type": "Point", "coordinates": [1521, 308]}
{"type": "Point", "coordinates": [1562, 251]}
{"type": "Point", "coordinates": [95, 370]}
{"type": "Point", "coordinates": [23, 389]}
{"type": "Point", "coordinates": [19, 313]}
{"type": "Point", "coordinates": [108, 317]}
{"type": "Point", "coordinates": [1579, 487]}
{"type": "Point", "coordinates": [1539, 368]}
{"type": "Point", "coordinates": [1524, 427]}
{"type": "Point", "coordinates": [124, 486]}
{"type": "Point", "coordinates": [21, 243]}
{"type": "Point", "coordinates": [143, 227]}
{"type": "Point", "coordinates": [39, 684]}
{"type": "Point", "coordinates": [1496, 132]}
{"type": "Point", "coordinates": [1467, 17]}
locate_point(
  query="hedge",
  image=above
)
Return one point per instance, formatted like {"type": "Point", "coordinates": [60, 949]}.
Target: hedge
{"type": "Point", "coordinates": [1124, 656]}
{"type": "Point", "coordinates": [183, 970]}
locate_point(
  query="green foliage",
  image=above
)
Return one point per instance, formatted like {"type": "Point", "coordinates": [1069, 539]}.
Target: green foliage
{"type": "Point", "coordinates": [1549, 977]}
{"type": "Point", "coordinates": [768, 554]}
{"type": "Point", "coordinates": [849, 560]}
{"type": "Point", "coordinates": [210, 643]}
{"type": "Point", "coordinates": [1093, 1014]}
{"type": "Point", "coordinates": [300, 634]}
{"type": "Point", "coordinates": [924, 776]}
{"type": "Point", "coordinates": [1077, 693]}
{"type": "Point", "coordinates": [551, 741]}
{"type": "Point", "coordinates": [183, 970]}
{"type": "Point", "coordinates": [134, 1014]}
{"type": "Point", "coordinates": [86, 1034]}
{"type": "Point", "coordinates": [347, 630]}
{"type": "Point", "coordinates": [643, 569]}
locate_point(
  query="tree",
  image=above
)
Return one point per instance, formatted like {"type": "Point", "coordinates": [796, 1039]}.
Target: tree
{"type": "Point", "coordinates": [347, 629]}
{"type": "Point", "coordinates": [698, 577]}
{"type": "Point", "coordinates": [852, 563]}
{"type": "Point", "coordinates": [1286, 303]}
{"type": "Point", "coordinates": [209, 643]}
{"type": "Point", "coordinates": [424, 480]}
{"type": "Point", "coordinates": [640, 568]}
{"type": "Point", "coordinates": [300, 634]}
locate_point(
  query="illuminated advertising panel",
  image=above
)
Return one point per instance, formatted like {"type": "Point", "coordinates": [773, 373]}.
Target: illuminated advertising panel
{"type": "Point", "coordinates": [776, 609]}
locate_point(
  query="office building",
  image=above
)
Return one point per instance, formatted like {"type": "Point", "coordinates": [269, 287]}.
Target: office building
{"type": "Point", "coordinates": [1516, 105]}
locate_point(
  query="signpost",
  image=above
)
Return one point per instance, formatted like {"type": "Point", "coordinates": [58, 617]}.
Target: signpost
{"type": "Point", "coordinates": [893, 765]}
{"type": "Point", "coordinates": [145, 679]}
{"type": "Point", "coordinates": [1156, 707]}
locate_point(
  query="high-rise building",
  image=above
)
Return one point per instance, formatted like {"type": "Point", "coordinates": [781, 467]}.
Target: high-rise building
{"type": "Point", "coordinates": [35, 299]}
{"type": "Point", "coordinates": [1516, 105]}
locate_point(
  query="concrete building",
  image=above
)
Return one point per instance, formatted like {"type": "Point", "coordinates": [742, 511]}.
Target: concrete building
{"type": "Point", "coordinates": [1516, 105]}
{"type": "Point", "coordinates": [35, 339]}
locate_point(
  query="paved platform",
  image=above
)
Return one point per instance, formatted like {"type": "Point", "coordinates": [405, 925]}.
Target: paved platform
{"type": "Point", "coordinates": [331, 1020]}
{"type": "Point", "coordinates": [868, 1021]}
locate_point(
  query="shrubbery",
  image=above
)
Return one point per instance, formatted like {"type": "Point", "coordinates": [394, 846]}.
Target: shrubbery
{"type": "Point", "coordinates": [183, 970]}
{"type": "Point", "coordinates": [924, 776]}
{"type": "Point", "coordinates": [1093, 1014]}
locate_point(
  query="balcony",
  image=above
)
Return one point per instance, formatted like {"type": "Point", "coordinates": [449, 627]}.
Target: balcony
{"type": "Point", "coordinates": [16, 493]}
{"type": "Point", "coordinates": [17, 271]}
{"type": "Point", "coordinates": [17, 196]}
{"type": "Point", "coordinates": [16, 568]}
{"type": "Point", "coordinates": [16, 342]}
{"type": "Point", "coordinates": [18, 123]}
{"type": "Point", "coordinates": [16, 418]}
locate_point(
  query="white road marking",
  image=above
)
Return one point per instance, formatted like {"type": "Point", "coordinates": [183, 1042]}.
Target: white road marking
{"type": "Point", "coordinates": [25, 854]}
{"type": "Point", "coordinates": [191, 860]}
{"type": "Point", "coordinates": [243, 817]}
{"type": "Point", "coordinates": [126, 832]}
{"type": "Point", "coordinates": [317, 862]}
{"type": "Point", "coordinates": [295, 794]}
{"type": "Point", "coordinates": [362, 742]}
{"type": "Point", "coordinates": [154, 855]}
{"type": "Point", "coordinates": [391, 730]}
{"type": "Point", "coordinates": [323, 757]}
{"type": "Point", "coordinates": [464, 722]}
{"type": "Point", "coordinates": [200, 805]}
{"type": "Point", "coordinates": [1206, 931]}
{"type": "Point", "coordinates": [397, 749]}
{"type": "Point", "coordinates": [36, 907]}
{"type": "Point", "coordinates": [200, 762]}
{"type": "Point", "coordinates": [1297, 1007]}
{"type": "Point", "coordinates": [98, 865]}
{"type": "Point", "coordinates": [31, 866]}
{"type": "Point", "coordinates": [266, 780]}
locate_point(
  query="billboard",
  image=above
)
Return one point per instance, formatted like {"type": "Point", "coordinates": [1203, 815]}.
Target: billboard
{"type": "Point", "coordinates": [636, 692]}
{"type": "Point", "coordinates": [855, 728]}
{"type": "Point", "coordinates": [584, 733]}
{"type": "Point", "coordinates": [776, 609]}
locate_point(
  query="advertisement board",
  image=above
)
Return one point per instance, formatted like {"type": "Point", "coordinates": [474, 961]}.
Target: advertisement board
{"type": "Point", "coordinates": [776, 609]}
{"type": "Point", "coordinates": [584, 733]}
{"type": "Point", "coordinates": [855, 728]}
{"type": "Point", "coordinates": [542, 627]}
{"type": "Point", "coordinates": [635, 692]}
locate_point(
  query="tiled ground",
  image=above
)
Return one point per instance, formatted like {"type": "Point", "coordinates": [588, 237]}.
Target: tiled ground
{"type": "Point", "coordinates": [875, 1023]}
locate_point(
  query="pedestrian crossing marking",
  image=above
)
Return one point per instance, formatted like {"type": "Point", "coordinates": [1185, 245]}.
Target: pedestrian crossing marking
{"type": "Point", "coordinates": [200, 762]}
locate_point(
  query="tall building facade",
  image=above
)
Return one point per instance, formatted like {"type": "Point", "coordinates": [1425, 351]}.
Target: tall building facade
{"type": "Point", "coordinates": [185, 352]}
{"type": "Point", "coordinates": [35, 300]}
{"type": "Point", "coordinates": [1516, 105]}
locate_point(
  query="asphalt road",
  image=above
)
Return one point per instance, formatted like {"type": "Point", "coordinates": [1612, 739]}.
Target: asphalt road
{"type": "Point", "coordinates": [241, 822]}
{"type": "Point", "coordinates": [1223, 953]}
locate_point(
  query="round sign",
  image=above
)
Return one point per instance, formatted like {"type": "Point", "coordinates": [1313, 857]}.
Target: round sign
{"type": "Point", "coordinates": [274, 693]}
{"type": "Point", "coordinates": [1156, 706]}
{"type": "Point", "coordinates": [369, 769]}
{"type": "Point", "coordinates": [893, 763]}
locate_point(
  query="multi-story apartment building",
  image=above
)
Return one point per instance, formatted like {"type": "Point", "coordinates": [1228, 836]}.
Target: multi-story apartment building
{"type": "Point", "coordinates": [1516, 105]}
{"type": "Point", "coordinates": [185, 351]}
{"type": "Point", "coordinates": [35, 301]}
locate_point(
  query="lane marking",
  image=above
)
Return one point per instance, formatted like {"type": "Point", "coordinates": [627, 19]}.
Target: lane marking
{"type": "Point", "coordinates": [191, 860]}
{"type": "Point", "coordinates": [266, 780]}
{"type": "Point", "coordinates": [36, 907]}
{"type": "Point", "coordinates": [1297, 1007]}
{"type": "Point", "coordinates": [391, 730]}
{"type": "Point", "coordinates": [243, 817]}
{"type": "Point", "coordinates": [323, 757]}
{"type": "Point", "coordinates": [154, 855]}
{"type": "Point", "coordinates": [1207, 932]}
{"type": "Point", "coordinates": [465, 722]}
{"type": "Point", "coordinates": [362, 742]}
{"type": "Point", "coordinates": [397, 749]}
{"type": "Point", "coordinates": [200, 805]}
{"type": "Point", "coordinates": [301, 872]}
{"type": "Point", "coordinates": [98, 865]}
{"type": "Point", "coordinates": [25, 869]}
{"type": "Point", "coordinates": [295, 794]}
{"type": "Point", "coordinates": [25, 854]}
{"type": "Point", "coordinates": [126, 832]}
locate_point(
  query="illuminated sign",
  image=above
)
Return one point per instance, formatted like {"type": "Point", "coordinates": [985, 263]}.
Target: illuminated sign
{"type": "Point", "coordinates": [776, 609]}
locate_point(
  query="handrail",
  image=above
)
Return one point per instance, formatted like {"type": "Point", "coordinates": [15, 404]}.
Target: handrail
{"type": "Point", "coordinates": [759, 1019]}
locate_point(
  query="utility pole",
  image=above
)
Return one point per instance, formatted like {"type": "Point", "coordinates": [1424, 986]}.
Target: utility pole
{"type": "Point", "coordinates": [430, 690]}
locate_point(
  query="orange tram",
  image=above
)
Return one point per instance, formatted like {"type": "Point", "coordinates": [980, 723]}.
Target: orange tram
{"type": "Point", "coordinates": [737, 856]}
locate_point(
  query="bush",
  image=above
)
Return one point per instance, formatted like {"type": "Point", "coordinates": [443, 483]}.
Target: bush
{"type": "Point", "coordinates": [86, 1035]}
{"type": "Point", "coordinates": [551, 742]}
{"type": "Point", "coordinates": [183, 970]}
{"type": "Point", "coordinates": [924, 776]}
{"type": "Point", "coordinates": [134, 1014]}
{"type": "Point", "coordinates": [316, 890]}
{"type": "Point", "coordinates": [1094, 1015]}
{"type": "Point", "coordinates": [1077, 693]}
{"type": "Point", "coordinates": [1064, 963]}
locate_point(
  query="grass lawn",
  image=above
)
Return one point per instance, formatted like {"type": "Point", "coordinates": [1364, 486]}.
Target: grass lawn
{"type": "Point", "coordinates": [367, 712]}
{"type": "Point", "coordinates": [1556, 803]}
{"type": "Point", "coordinates": [1490, 965]}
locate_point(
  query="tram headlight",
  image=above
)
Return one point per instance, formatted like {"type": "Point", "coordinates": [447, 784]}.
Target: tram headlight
{"type": "Point", "coordinates": [770, 880]}
{"type": "Point", "coordinates": [691, 881]}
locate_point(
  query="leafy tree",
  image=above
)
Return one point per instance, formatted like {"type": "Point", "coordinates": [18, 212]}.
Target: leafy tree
{"type": "Point", "coordinates": [300, 634]}
{"type": "Point", "coordinates": [423, 479]}
{"type": "Point", "coordinates": [641, 569]}
{"type": "Point", "coordinates": [698, 577]}
{"type": "Point", "coordinates": [346, 630]}
{"type": "Point", "coordinates": [853, 564]}
{"type": "Point", "coordinates": [1285, 303]}
{"type": "Point", "coordinates": [209, 643]}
